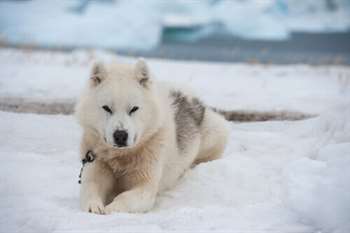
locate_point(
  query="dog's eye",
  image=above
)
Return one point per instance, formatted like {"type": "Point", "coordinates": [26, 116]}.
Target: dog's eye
{"type": "Point", "coordinates": [107, 109]}
{"type": "Point", "coordinates": [134, 109]}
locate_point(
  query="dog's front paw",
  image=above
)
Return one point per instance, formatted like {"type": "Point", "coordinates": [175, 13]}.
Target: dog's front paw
{"type": "Point", "coordinates": [130, 202]}
{"type": "Point", "coordinates": [115, 206]}
{"type": "Point", "coordinates": [94, 206]}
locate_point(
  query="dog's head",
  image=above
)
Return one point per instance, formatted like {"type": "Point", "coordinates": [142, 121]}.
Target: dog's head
{"type": "Point", "coordinates": [120, 104]}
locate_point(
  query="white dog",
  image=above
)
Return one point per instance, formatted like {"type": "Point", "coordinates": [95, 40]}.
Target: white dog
{"type": "Point", "coordinates": [144, 135]}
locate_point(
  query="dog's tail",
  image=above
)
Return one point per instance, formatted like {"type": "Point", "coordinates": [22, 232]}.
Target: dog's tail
{"type": "Point", "coordinates": [249, 116]}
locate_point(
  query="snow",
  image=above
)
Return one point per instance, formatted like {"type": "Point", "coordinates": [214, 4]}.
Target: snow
{"type": "Point", "coordinates": [131, 24]}
{"type": "Point", "coordinates": [100, 25]}
{"type": "Point", "coordinates": [273, 177]}
{"type": "Point", "coordinates": [278, 185]}
{"type": "Point", "coordinates": [324, 174]}
{"type": "Point", "coordinates": [53, 76]}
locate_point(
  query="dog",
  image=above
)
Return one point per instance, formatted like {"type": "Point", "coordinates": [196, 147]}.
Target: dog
{"type": "Point", "coordinates": [144, 134]}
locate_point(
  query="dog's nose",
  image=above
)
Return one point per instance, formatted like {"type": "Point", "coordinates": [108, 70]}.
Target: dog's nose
{"type": "Point", "coordinates": [120, 137]}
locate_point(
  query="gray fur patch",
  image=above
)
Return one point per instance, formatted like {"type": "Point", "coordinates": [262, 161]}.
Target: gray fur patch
{"type": "Point", "coordinates": [189, 114]}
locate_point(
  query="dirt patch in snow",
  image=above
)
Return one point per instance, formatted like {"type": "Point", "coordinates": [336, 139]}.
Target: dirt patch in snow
{"type": "Point", "coordinates": [67, 108]}
{"type": "Point", "coordinates": [32, 106]}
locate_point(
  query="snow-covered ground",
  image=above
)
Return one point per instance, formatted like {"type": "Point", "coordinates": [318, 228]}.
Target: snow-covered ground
{"type": "Point", "coordinates": [273, 177]}
{"type": "Point", "coordinates": [133, 24]}
{"type": "Point", "coordinates": [54, 76]}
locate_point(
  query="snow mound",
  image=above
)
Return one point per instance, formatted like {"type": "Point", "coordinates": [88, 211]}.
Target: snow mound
{"type": "Point", "coordinates": [318, 186]}
{"type": "Point", "coordinates": [132, 24]}
{"type": "Point", "coordinates": [128, 24]}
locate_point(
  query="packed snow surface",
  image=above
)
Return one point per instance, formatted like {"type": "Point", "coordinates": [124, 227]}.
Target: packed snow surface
{"type": "Point", "coordinates": [53, 76]}
{"type": "Point", "coordinates": [134, 24]}
{"type": "Point", "coordinates": [273, 177]}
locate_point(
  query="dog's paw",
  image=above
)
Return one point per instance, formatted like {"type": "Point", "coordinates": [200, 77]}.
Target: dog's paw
{"type": "Point", "coordinates": [127, 203]}
{"type": "Point", "coordinates": [94, 206]}
{"type": "Point", "coordinates": [115, 207]}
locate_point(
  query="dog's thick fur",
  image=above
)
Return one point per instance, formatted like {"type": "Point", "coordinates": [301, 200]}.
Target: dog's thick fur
{"type": "Point", "coordinates": [169, 132]}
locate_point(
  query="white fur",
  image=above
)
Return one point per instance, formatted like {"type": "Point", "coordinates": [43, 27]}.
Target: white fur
{"type": "Point", "coordinates": [128, 179]}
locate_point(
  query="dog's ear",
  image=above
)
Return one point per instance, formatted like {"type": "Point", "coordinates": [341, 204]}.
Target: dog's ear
{"type": "Point", "coordinates": [142, 72]}
{"type": "Point", "coordinates": [98, 74]}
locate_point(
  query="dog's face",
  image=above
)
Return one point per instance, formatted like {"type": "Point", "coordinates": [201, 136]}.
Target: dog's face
{"type": "Point", "coordinates": [120, 104]}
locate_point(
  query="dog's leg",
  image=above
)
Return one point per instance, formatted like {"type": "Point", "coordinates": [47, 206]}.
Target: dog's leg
{"type": "Point", "coordinates": [141, 197]}
{"type": "Point", "coordinates": [97, 184]}
{"type": "Point", "coordinates": [137, 200]}
{"type": "Point", "coordinates": [214, 136]}
{"type": "Point", "coordinates": [97, 179]}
